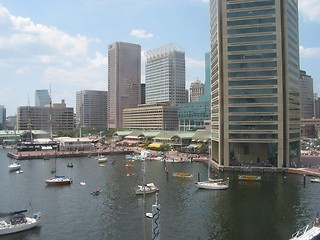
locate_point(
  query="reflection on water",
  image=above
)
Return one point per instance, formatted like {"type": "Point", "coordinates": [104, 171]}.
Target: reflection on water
{"type": "Point", "coordinates": [271, 209]}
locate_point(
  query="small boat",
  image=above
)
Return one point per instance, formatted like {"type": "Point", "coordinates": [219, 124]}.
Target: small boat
{"type": "Point", "coordinates": [95, 191]}
{"type": "Point", "coordinates": [101, 165]}
{"type": "Point", "coordinates": [14, 166]}
{"type": "Point", "coordinates": [18, 222]}
{"type": "Point", "coordinates": [19, 171]}
{"type": "Point", "coordinates": [102, 158]}
{"type": "Point", "coordinates": [82, 183]}
{"type": "Point", "coordinates": [249, 177]}
{"type": "Point", "coordinates": [315, 180]}
{"type": "Point", "coordinates": [148, 188]}
{"type": "Point", "coordinates": [70, 165]}
{"type": "Point", "coordinates": [220, 185]}
{"type": "Point", "coordinates": [53, 170]}
{"type": "Point", "coordinates": [183, 174]}
{"type": "Point", "coordinates": [59, 180]}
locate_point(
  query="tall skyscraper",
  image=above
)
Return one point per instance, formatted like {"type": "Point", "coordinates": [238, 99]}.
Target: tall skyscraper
{"type": "Point", "coordinates": [307, 95]}
{"type": "Point", "coordinates": [124, 78]}
{"type": "Point", "coordinates": [42, 98]}
{"type": "Point", "coordinates": [91, 109]}
{"type": "Point", "coordinates": [255, 89]}
{"type": "Point", "coordinates": [3, 116]}
{"type": "Point", "coordinates": [165, 75]}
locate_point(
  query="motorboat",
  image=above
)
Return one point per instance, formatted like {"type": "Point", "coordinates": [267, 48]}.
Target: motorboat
{"type": "Point", "coordinates": [70, 165]}
{"type": "Point", "coordinates": [249, 177]}
{"type": "Point", "coordinates": [315, 180]}
{"type": "Point", "coordinates": [95, 191]}
{"type": "Point", "coordinates": [148, 188]}
{"type": "Point", "coordinates": [59, 180]}
{"type": "Point", "coordinates": [18, 222]}
{"type": "Point", "coordinates": [14, 166]}
{"type": "Point", "coordinates": [183, 174]}
{"type": "Point", "coordinates": [217, 185]}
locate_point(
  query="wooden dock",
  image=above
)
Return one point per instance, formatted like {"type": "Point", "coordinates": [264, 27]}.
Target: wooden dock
{"type": "Point", "coordinates": [64, 154]}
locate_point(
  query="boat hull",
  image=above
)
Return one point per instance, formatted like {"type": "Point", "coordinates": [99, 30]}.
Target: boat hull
{"type": "Point", "coordinates": [212, 185]}
{"type": "Point", "coordinates": [58, 181]}
{"type": "Point", "coordinates": [14, 228]}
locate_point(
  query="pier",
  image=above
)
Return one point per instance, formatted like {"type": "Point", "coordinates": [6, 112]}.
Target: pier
{"type": "Point", "coordinates": [64, 154]}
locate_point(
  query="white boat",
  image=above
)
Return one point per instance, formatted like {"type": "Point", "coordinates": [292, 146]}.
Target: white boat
{"type": "Point", "coordinates": [213, 184]}
{"type": "Point", "coordinates": [18, 222]}
{"type": "Point", "coordinates": [220, 185]}
{"type": "Point", "coordinates": [315, 180]}
{"type": "Point", "coordinates": [59, 180]}
{"type": "Point", "coordinates": [14, 166]}
{"type": "Point", "coordinates": [102, 158]}
{"type": "Point", "coordinates": [19, 171]}
{"type": "Point", "coordinates": [148, 188]}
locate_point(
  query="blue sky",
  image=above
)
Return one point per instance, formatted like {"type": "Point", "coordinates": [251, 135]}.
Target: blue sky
{"type": "Point", "coordinates": [63, 44]}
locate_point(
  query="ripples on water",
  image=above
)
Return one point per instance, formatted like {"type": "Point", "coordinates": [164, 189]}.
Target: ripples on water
{"type": "Point", "coordinates": [272, 209]}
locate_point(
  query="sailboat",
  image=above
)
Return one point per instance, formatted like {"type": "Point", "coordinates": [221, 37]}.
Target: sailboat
{"type": "Point", "coordinates": [58, 180]}
{"type": "Point", "coordinates": [14, 166]}
{"type": "Point", "coordinates": [101, 158]}
{"type": "Point", "coordinates": [145, 188]}
{"type": "Point", "coordinates": [213, 184]}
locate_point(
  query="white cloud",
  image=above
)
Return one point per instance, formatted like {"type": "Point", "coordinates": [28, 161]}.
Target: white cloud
{"type": "Point", "coordinates": [26, 39]}
{"type": "Point", "coordinates": [140, 33]}
{"type": "Point", "coordinates": [309, 52]}
{"type": "Point", "coordinates": [310, 9]}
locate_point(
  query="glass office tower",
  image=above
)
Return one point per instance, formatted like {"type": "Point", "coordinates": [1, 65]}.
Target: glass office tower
{"type": "Point", "coordinates": [255, 98]}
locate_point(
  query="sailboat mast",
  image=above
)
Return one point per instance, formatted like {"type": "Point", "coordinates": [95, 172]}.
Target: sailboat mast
{"type": "Point", "coordinates": [50, 116]}
{"type": "Point", "coordinates": [144, 201]}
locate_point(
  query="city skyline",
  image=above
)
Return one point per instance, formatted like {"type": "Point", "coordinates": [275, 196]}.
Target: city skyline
{"type": "Point", "coordinates": [69, 52]}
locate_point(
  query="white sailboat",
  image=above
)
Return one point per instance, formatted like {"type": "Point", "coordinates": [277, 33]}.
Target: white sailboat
{"type": "Point", "coordinates": [213, 184]}
{"type": "Point", "coordinates": [14, 166]}
{"type": "Point", "coordinates": [17, 222]}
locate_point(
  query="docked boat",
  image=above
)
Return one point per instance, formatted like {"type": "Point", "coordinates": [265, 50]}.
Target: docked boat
{"type": "Point", "coordinates": [14, 166]}
{"type": "Point", "coordinates": [59, 180]}
{"type": "Point", "coordinates": [249, 177]}
{"type": "Point", "coordinates": [183, 174]}
{"type": "Point", "coordinates": [219, 185]}
{"type": "Point", "coordinates": [18, 222]}
{"type": "Point", "coordinates": [148, 188]}
{"type": "Point", "coordinates": [315, 180]}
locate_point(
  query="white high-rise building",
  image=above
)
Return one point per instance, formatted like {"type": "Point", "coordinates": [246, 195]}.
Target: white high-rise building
{"type": "Point", "coordinates": [165, 75]}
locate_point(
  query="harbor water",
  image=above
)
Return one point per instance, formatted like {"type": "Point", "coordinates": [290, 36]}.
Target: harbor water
{"type": "Point", "coordinates": [271, 209]}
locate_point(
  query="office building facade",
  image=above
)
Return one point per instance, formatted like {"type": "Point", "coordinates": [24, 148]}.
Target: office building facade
{"type": "Point", "coordinates": [255, 89]}
{"type": "Point", "coordinates": [196, 90]}
{"type": "Point", "coordinates": [91, 109]}
{"type": "Point", "coordinates": [124, 79]}
{"type": "Point", "coordinates": [165, 75]}
{"type": "Point", "coordinates": [307, 96]}
{"type": "Point", "coordinates": [38, 118]}
{"type": "Point", "coordinates": [153, 116]}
